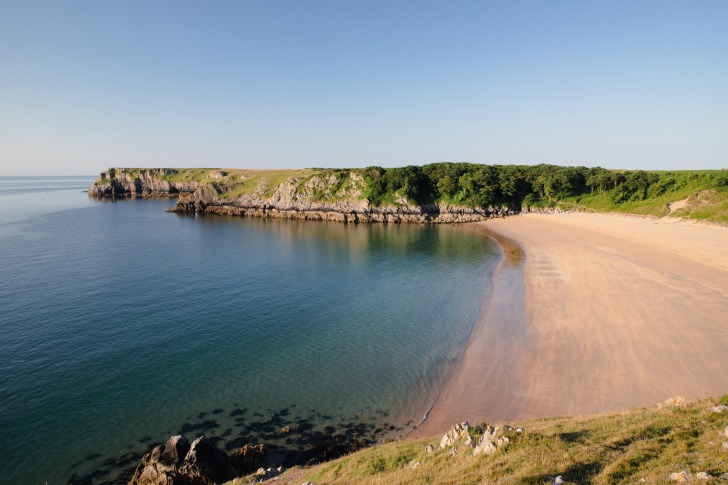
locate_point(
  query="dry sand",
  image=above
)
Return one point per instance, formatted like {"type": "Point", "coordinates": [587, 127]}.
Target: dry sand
{"type": "Point", "coordinates": [619, 312]}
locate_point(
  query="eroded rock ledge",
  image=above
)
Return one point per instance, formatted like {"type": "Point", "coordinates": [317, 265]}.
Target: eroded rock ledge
{"type": "Point", "coordinates": [205, 200]}
{"type": "Point", "coordinates": [120, 183]}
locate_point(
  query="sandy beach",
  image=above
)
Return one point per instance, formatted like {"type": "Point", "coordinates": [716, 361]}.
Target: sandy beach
{"type": "Point", "coordinates": [618, 312]}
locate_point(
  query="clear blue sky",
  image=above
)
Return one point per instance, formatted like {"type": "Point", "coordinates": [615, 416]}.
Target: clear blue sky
{"type": "Point", "coordinates": [621, 84]}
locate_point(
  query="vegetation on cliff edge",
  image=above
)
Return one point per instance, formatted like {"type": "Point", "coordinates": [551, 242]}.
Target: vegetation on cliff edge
{"type": "Point", "coordinates": [704, 192]}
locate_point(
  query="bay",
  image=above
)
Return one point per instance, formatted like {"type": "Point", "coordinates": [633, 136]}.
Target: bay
{"type": "Point", "coordinates": [122, 324]}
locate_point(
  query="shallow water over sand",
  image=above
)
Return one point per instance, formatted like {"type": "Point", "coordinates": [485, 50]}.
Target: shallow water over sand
{"type": "Point", "coordinates": [122, 325]}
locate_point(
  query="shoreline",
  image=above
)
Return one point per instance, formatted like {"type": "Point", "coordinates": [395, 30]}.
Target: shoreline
{"type": "Point", "coordinates": [617, 312]}
{"type": "Point", "coordinates": [455, 399]}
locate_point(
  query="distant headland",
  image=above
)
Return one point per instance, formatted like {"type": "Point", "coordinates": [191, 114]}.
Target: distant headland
{"type": "Point", "coordinates": [434, 193]}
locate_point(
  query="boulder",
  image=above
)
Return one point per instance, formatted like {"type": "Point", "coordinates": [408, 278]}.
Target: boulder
{"type": "Point", "coordinates": [204, 458]}
{"type": "Point", "coordinates": [680, 477]}
{"type": "Point", "coordinates": [175, 450]}
{"type": "Point", "coordinates": [721, 408]}
{"type": "Point", "coordinates": [267, 473]}
{"type": "Point", "coordinates": [703, 476]}
{"type": "Point", "coordinates": [247, 459]}
{"type": "Point", "coordinates": [201, 463]}
{"type": "Point", "coordinates": [152, 471]}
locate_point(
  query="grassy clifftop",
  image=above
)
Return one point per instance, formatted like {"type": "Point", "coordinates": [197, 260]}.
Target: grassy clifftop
{"type": "Point", "coordinates": [639, 446]}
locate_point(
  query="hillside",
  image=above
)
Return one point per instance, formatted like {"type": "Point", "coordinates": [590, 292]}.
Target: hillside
{"type": "Point", "coordinates": [645, 445]}
{"type": "Point", "coordinates": [441, 192]}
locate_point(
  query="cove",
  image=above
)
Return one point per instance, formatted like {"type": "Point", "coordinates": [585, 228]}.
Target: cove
{"type": "Point", "coordinates": [123, 325]}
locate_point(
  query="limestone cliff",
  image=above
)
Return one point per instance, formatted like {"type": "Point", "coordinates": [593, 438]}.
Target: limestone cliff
{"type": "Point", "coordinates": [323, 195]}
{"type": "Point", "coordinates": [117, 183]}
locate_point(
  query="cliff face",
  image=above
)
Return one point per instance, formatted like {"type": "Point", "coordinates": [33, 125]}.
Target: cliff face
{"type": "Point", "coordinates": [119, 183]}
{"type": "Point", "coordinates": [205, 200]}
{"type": "Point", "coordinates": [315, 195]}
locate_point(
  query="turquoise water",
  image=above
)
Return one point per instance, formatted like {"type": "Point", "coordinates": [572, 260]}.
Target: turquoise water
{"type": "Point", "coordinates": [122, 325]}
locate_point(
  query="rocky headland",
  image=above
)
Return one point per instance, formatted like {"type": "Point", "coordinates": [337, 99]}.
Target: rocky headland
{"type": "Point", "coordinates": [321, 195]}
{"type": "Point", "coordinates": [123, 183]}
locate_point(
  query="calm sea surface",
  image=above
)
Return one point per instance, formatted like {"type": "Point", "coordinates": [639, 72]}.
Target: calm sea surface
{"type": "Point", "coordinates": [121, 325]}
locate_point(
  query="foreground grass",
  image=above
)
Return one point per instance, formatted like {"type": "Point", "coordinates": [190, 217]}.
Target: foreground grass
{"type": "Point", "coordinates": [643, 445]}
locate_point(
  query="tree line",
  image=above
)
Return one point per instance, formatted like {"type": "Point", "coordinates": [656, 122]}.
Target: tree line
{"type": "Point", "coordinates": [522, 185]}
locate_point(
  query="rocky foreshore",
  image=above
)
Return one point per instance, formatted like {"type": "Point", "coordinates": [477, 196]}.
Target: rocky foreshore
{"type": "Point", "coordinates": [205, 200]}
{"type": "Point", "coordinates": [199, 463]}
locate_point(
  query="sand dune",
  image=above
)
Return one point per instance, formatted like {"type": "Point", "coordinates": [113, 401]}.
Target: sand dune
{"type": "Point", "coordinates": [619, 312]}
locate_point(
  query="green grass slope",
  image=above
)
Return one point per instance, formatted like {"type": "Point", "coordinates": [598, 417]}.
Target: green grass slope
{"type": "Point", "coordinates": [644, 445]}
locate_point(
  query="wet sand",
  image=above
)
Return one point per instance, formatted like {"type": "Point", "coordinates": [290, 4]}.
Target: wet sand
{"type": "Point", "coordinates": [617, 312]}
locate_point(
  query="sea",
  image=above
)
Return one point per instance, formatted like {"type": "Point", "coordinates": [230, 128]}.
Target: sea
{"type": "Point", "coordinates": [122, 325]}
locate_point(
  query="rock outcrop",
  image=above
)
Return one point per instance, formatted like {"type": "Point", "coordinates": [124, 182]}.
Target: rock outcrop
{"type": "Point", "coordinates": [200, 463]}
{"type": "Point", "coordinates": [489, 438]}
{"type": "Point", "coordinates": [455, 434]}
{"type": "Point", "coordinates": [120, 183]}
{"type": "Point", "coordinates": [290, 205]}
